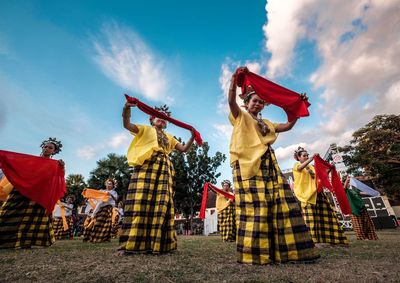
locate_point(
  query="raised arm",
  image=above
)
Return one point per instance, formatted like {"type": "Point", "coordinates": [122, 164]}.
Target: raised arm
{"type": "Point", "coordinates": [186, 146]}
{"type": "Point", "coordinates": [126, 118]}
{"type": "Point", "coordinates": [284, 127]}
{"type": "Point", "coordinates": [303, 165]}
{"type": "Point", "coordinates": [234, 107]}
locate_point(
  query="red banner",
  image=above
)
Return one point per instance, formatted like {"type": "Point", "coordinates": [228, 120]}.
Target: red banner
{"type": "Point", "coordinates": [290, 101]}
{"type": "Point", "coordinates": [205, 195]}
{"type": "Point", "coordinates": [153, 112]}
{"type": "Point", "coordinates": [37, 178]}
{"type": "Point", "coordinates": [333, 184]}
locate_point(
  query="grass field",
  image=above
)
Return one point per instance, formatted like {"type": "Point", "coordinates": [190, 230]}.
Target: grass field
{"type": "Point", "coordinates": [200, 259]}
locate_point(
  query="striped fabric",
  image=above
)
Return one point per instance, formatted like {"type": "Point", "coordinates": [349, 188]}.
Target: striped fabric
{"type": "Point", "coordinates": [323, 223]}
{"type": "Point", "coordinates": [148, 225]}
{"type": "Point", "coordinates": [116, 227]}
{"type": "Point", "coordinates": [24, 223]}
{"type": "Point", "coordinates": [58, 228]}
{"type": "Point", "coordinates": [227, 223]}
{"type": "Point", "coordinates": [268, 216]}
{"type": "Point", "coordinates": [363, 226]}
{"type": "Point", "coordinates": [101, 230]}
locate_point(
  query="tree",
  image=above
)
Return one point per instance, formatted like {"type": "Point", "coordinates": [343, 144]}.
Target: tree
{"type": "Point", "coordinates": [75, 184]}
{"type": "Point", "coordinates": [375, 152]}
{"type": "Point", "coordinates": [192, 170]}
{"type": "Point", "coordinates": [113, 166]}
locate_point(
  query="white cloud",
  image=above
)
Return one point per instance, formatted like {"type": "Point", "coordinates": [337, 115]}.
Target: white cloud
{"type": "Point", "coordinates": [87, 152]}
{"type": "Point", "coordinates": [359, 50]}
{"type": "Point", "coordinates": [281, 33]}
{"type": "Point", "coordinates": [227, 69]}
{"type": "Point", "coordinates": [126, 59]}
{"type": "Point", "coordinates": [283, 153]}
{"type": "Point", "coordinates": [117, 141]}
{"type": "Point", "coordinates": [120, 140]}
{"type": "Point", "coordinates": [224, 132]}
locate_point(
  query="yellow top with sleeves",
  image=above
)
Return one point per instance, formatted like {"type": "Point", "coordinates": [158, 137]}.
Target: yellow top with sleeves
{"type": "Point", "coordinates": [305, 188]}
{"type": "Point", "coordinates": [145, 144]}
{"type": "Point", "coordinates": [221, 202]}
{"type": "Point", "coordinates": [248, 144]}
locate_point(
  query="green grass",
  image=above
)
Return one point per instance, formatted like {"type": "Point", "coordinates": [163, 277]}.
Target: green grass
{"type": "Point", "coordinates": [200, 259]}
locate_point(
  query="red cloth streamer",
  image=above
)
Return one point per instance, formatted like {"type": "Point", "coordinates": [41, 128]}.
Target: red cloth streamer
{"type": "Point", "coordinates": [322, 169]}
{"type": "Point", "coordinates": [205, 195]}
{"type": "Point", "coordinates": [37, 178]}
{"type": "Point", "coordinates": [151, 111]}
{"type": "Point", "coordinates": [290, 101]}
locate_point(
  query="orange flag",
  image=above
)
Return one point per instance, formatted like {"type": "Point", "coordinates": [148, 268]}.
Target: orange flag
{"type": "Point", "coordinates": [5, 188]}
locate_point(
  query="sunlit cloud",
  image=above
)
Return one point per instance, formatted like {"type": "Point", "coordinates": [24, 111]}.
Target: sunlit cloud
{"type": "Point", "coordinates": [125, 58]}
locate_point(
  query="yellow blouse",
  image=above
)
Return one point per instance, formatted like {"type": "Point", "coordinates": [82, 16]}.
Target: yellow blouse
{"type": "Point", "coordinates": [305, 188]}
{"type": "Point", "coordinates": [145, 144]}
{"type": "Point", "coordinates": [248, 144]}
{"type": "Point", "coordinates": [221, 202]}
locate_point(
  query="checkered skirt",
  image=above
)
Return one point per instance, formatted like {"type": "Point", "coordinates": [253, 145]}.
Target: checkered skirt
{"type": "Point", "coordinates": [269, 221]}
{"type": "Point", "coordinates": [227, 223]}
{"type": "Point", "coordinates": [24, 223]}
{"type": "Point", "coordinates": [323, 223]}
{"type": "Point", "coordinates": [58, 228]}
{"type": "Point", "coordinates": [101, 230]}
{"type": "Point", "coordinates": [363, 226]}
{"type": "Point", "coordinates": [148, 224]}
{"type": "Point", "coordinates": [116, 227]}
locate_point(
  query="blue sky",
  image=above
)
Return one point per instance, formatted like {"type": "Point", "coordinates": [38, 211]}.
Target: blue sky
{"type": "Point", "coordinates": [65, 65]}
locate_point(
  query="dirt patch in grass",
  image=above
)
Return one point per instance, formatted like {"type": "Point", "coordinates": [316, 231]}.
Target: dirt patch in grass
{"type": "Point", "coordinates": [200, 259]}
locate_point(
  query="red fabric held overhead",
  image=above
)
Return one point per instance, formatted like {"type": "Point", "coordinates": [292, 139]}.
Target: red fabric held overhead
{"type": "Point", "coordinates": [205, 195]}
{"type": "Point", "coordinates": [37, 178]}
{"type": "Point", "coordinates": [322, 170]}
{"type": "Point", "coordinates": [275, 94]}
{"type": "Point", "coordinates": [152, 112]}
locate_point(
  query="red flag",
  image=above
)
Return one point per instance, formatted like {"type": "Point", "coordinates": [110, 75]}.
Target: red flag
{"type": "Point", "coordinates": [205, 195]}
{"type": "Point", "coordinates": [290, 101]}
{"type": "Point", "coordinates": [37, 178]}
{"type": "Point", "coordinates": [322, 169]}
{"type": "Point", "coordinates": [151, 111]}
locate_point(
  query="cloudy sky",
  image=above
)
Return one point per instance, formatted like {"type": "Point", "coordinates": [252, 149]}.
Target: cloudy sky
{"type": "Point", "coordinates": [65, 65]}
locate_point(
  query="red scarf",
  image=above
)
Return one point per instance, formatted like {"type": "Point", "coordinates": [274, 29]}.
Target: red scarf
{"type": "Point", "coordinates": [275, 94]}
{"type": "Point", "coordinates": [37, 178]}
{"type": "Point", "coordinates": [151, 111]}
{"type": "Point", "coordinates": [334, 185]}
{"type": "Point", "coordinates": [205, 195]}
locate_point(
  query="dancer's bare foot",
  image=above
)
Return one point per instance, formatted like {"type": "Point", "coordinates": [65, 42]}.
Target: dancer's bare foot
{"type": "Point", "coordinates": [120, 253]}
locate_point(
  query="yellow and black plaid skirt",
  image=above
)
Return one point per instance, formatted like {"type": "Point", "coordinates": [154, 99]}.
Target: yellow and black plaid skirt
{"type": "Point", "coordinates": [116, 227]}
{"type": "Point", "coordinates": [58, 228]}
{"type": "Point", "coordinates": [269, 220]}
{"type": "Point", "coordinates": [363, 226]}
{"type": "Point", "coordinates": [148, 225]}
{"type": "Point", "coordinates": [227, 223]}
{"type": "Point", "coordinates": [323, 223]}
{"type": "Point", "coordinates": [102, 228]}
{"type": "Point", "coordinates": [24, 223]}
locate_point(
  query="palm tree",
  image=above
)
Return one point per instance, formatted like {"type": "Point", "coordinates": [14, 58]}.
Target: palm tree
{"type": "Point", "coordinates": [75, 185]}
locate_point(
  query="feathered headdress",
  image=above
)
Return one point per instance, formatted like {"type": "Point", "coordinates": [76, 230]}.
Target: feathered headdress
{"type": "Point", "coordinates": [58, 145]}
{"type": "Point", "coordinates": [298, 152]}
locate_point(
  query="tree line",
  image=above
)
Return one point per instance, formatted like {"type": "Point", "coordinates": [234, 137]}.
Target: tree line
{"type": "Point", "coordinates": [192, 170]}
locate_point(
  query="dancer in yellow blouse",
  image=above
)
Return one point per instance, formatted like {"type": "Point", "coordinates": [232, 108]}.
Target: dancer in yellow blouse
{"type": "Point", "coordinates": [226, 214]}
{"type": "Point", "coordinates": [317, 210]}
{"type": "Point", "coordinates": [148, 225]}
{"type": "Point", "coordinates": [270, 224]}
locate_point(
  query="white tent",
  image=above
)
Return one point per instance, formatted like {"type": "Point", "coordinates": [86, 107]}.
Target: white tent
{"type": "Point", "coordinates": [363, 187]}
